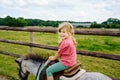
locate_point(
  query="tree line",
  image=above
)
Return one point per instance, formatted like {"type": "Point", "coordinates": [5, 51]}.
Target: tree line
{"type": "Point", "coordinates": [109, 23]}
{"type": "Point", "coordinates": [21, 22]}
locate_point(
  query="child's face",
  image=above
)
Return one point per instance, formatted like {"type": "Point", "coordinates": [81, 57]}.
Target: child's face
{"type": "Point", "coordinates": [63, 34]}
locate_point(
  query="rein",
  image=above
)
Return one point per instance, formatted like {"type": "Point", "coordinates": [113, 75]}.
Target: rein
{"type": "Point", "coordinates": [40, 69]}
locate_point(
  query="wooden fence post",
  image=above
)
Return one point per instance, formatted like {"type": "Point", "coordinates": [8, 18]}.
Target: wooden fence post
{"type": "Point", "coordinates": [31, 41]}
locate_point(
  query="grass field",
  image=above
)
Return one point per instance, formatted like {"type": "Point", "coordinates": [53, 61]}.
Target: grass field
{"type": "Point", "coordinates": [106, 44]}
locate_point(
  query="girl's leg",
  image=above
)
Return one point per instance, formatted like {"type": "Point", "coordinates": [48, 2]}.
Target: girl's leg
{"type": "Point", "coordinates": [54, 68]}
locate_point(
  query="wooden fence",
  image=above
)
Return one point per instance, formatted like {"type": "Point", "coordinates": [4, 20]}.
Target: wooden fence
{"type": "Point", "coordinates": [102, 32]}
{"type": "Point", "coordinates": [53, 30]}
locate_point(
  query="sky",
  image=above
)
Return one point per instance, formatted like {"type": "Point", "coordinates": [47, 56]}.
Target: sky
{"type": "Point", "coordinates": [63, 10]}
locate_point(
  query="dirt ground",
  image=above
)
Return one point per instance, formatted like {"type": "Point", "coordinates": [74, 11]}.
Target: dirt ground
{"type": "Point", "coordinates": [3, 78]}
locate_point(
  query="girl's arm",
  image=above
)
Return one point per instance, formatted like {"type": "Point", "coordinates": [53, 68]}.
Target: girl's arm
{"type": "Point", "coordinates": [54, 57]}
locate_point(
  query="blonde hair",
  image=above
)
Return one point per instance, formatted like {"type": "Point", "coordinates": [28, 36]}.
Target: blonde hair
{"type": "Point", "coordinates": [66, 26]}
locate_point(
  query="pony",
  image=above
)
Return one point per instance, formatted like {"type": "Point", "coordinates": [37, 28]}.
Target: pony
{"type": "Point", "coordinates": [31, 63]}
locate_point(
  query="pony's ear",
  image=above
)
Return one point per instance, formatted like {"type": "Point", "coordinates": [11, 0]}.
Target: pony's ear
{"type": "Point", "coordinates": [18, 60]}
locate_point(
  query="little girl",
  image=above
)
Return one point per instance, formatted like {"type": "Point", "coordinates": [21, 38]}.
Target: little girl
{"type": "Point", "coordinates": [66, 50]}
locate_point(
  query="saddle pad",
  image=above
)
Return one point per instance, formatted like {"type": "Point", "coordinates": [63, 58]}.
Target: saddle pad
{"type": "Point", "coordinates": [80, 73]}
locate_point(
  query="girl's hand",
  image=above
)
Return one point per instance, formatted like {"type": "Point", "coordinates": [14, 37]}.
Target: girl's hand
{"type": "Point", "coordinates": [51, 58]}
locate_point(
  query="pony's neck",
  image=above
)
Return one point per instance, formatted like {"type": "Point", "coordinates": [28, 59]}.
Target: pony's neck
{"type": "Point", "coordinates": [32, 66]}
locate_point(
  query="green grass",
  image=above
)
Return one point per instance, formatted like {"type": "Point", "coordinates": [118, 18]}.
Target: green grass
{"type": "Point", "coordinates": [105, 44]}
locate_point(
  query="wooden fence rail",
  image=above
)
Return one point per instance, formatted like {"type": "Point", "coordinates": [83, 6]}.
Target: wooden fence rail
{"type": "Point", "coordinates": [102, 32]}
{"type": "Point", "coordinates": [10, 54]}
{"type": "Point", "coordinates": [95, 54]}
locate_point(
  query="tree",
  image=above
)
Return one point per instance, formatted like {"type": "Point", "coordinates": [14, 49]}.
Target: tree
{"type": "Point", "coordinates": [112, 23]}
{"type": "Point", "coordinates": [21, 22]}
{"type": "Point", "coordinates": [1, 22]}
{"type": "Point", "coordinates": [9, 21]}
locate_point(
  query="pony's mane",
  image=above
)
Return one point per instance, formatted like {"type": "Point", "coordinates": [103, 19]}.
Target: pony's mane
{"type": "Point", "coordinates": [36, 57]}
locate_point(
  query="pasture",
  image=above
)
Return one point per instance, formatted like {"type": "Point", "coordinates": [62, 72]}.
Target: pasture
{"type": "Point", "coordinates": [106, 44]}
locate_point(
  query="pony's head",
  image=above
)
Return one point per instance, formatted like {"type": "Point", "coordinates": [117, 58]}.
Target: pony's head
{"type": "Point", "coordinates": [23, 63]}
{"type": "Point", "coordinates": [22, 72]}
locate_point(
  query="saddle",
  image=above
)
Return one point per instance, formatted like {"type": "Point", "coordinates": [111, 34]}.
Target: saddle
{"type": "Point", "coordinates": [66, 73]}
{"type": "Point", "coordinates": [72, 70]}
